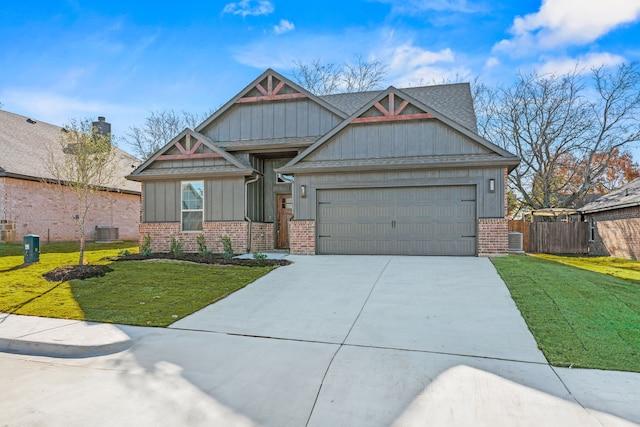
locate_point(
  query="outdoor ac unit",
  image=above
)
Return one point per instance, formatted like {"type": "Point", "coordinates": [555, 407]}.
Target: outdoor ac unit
{"type": "Point", "coordinates": [515, 242]}
{"type": "Point", "coordinates": [106, 234]}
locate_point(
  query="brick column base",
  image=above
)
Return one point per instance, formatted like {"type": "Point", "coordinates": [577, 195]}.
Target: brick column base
{"type": "Point", "coordinates": [493, 236]}
{"type": "Point", "coordinates": [302, 237]}
{"type": "Point", "coordinates": [262, 236]}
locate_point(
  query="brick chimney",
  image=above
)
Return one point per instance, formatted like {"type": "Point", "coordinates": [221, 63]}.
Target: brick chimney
{"type": "Point", "coordinates": [102, 127]}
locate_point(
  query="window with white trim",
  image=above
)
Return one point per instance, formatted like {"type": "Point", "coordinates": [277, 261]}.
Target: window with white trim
{"type": "Point", "coordinates": [282, 178]}
{"type": "Point", "coordinates": [192, 205]}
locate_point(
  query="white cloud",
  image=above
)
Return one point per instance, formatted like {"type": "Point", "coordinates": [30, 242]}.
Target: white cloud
{"type": "Point", "coordinates": [283, 27]}
{"type": "Point", "coordinates": [411, 65]}
{"type": "Point", "coordinates": [408, 63]}
{"type": "Point", "coordinates": [568, 22]}
{"type": "Point", "coordinates": [249, 7]}
{"type": "Point", "coordinates": [491, 62]}
{"type": "Point", "coordinates": [581, 65]}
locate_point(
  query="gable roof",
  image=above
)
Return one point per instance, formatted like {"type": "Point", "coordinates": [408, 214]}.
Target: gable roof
{"type": "Point", "coordinates": [235, 166]}
{"type": "Point", "coordinates": [498, 155]}
{"type": "Point", "coordinates": [624, 197]}
{"type": "Point", "coordinates": [23, 149]}
{"type": "Point", "coordinates": [453, 100]}
{"type": "Point", "coordinates": [269, 73]}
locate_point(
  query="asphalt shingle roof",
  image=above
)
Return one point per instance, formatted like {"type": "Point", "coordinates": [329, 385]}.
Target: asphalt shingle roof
{"type": "Point", "coordinates": [626, 196]}
{"type": "Point", "coordinates": [453, 100]}
{"type": "Point", "coordinates": [23, 150]}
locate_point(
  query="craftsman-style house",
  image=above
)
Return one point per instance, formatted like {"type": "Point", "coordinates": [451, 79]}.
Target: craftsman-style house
{"type": "Point", "coordinates": [395, 171]}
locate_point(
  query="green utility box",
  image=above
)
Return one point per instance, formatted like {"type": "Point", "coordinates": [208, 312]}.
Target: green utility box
{"type": "Point", "coordinates": [31, 248]}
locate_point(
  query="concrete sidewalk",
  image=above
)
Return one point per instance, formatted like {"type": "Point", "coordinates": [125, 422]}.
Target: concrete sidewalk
{"type": "Point", "coordinates": [41, 336]}
{"type": "Point", "coordinates": [344, 341]}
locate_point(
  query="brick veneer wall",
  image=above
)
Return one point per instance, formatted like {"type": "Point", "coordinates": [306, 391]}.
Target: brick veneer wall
{"type": "Point", "coordinates": [302, 237]}
{"type": "Point", "coordinates": [38, 208]}
{"type": "Point", "coordinates": [631, 212]}
{"type": "Point", "coordinates": [618, 237]}
{"type": "Point", "coordinates": [262, 236]}
{"type": "Point", "coordinates": [161, 233]}
{"type": "Point", "coordinates": [617, 233]}
{"type": "Point", "coordinates": [493, 236]}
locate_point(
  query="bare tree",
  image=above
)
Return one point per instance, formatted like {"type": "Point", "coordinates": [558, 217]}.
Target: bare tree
{"type": "Point", "coordinates": [546, 119]}
{"type": "Point", "coordinates": [160, 128]}
{"type": "Point", "coordinates": [364, 75]}
{"type": "Point", "coordinates": [83, 164]}
{"type": "Point", "coordinates": [325, 79]}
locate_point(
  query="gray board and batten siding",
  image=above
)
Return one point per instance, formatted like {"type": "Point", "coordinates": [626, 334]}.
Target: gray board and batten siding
{"type": "Point", "coordinates": [223, 200]}
{"type": "Point", "coordinates": [297, 118]}
{"type": "Point", "coordinates": [396, 140]}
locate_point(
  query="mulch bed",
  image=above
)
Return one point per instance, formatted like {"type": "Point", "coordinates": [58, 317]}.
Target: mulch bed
{"type": "Point", "coordinates": [76, 272]}
{"type": "Point", "coordinates": [81, 272]}
{"type": "Point", "coordinates": [216, 259]}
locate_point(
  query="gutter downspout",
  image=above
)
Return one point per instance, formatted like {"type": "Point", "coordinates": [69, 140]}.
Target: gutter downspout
{"type": "Point", "coordinates": [246, 209]}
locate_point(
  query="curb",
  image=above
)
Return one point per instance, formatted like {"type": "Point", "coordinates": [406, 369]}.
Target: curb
{"type": "Point", "coordinates": [38, 336]}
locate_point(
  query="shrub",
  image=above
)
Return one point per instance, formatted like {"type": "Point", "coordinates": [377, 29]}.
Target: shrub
{"type": "Point", "coordinates": [260, 258]}
{"type": "Point", "coordinates": [124, 252]}
{"type": "Point", "coordinates": [145, 250]}
{"type": "Point", "coordinates": [227, 247]}
{"type": "Point", "coordinates": [202, 245]}
{"type": "Point", "coordinates": [176, 246]}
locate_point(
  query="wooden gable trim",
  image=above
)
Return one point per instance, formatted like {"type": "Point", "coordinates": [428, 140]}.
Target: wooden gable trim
{"type": "Point", "coordinates": [392, 114]}
{"type": "Point", "coordinates": [189, 156]}
{"type": "Point", "coordinates": [189, 152]}
{"type": "Point", "coordinates": [393, 118]}
{"type": "Point", "coordinates": [270, 93]}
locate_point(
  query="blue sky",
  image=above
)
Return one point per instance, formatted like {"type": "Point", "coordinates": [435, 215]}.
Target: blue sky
{"type": "Point", "coordinates": [121, 59]}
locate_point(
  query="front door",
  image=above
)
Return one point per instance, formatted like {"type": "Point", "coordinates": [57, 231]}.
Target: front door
{"type": "Point", "coordinates": [284, 214]}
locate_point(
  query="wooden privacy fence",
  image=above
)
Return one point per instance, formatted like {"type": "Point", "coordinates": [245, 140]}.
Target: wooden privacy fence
{"type": "Point", "coordinates": [553, 237]}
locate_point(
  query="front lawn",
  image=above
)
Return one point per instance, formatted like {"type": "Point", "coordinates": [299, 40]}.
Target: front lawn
{"type": "Point", "coordinates": [618, 267]}
{"type": "Point", "coordinates": [579, 318]}
{"type": "Point", "coordinates": [147, 293]}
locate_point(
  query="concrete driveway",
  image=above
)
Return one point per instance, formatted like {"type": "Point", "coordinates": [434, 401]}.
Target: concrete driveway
{"type": "Point", "coordinates": [331, 341]}
{"type": "Point", "coordinates": [434, 304]}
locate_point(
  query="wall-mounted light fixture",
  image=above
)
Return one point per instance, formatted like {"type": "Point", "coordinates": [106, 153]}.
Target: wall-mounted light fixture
{"type": "Point", "coordinates": [303, 191]}
{"type": "Point", "coordinates": [492, 185]}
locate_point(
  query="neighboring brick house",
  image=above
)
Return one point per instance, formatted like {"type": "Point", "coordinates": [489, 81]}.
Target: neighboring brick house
{"type": "Point", "coordinates": [31, 204]}
{"type": "Point", "coordinates": [394, 171]}
{"type": "Point", "coordinates": [615, 222]}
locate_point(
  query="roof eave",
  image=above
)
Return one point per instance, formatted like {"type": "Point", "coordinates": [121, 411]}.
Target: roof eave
{"type": "Point", "coordinates": [192, 175]}
{"type": "Point", "coordinates": [375, 167]}
{"type": "Point", "coordinates": [609, 207]}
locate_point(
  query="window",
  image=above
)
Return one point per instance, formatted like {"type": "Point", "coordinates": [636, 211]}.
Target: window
{"type": "Point", "coordinates": [192, 205]}
{"type": "Point", "coordinates": [592, 230]}
{"type": "Point", "coordinates": [283, 178]}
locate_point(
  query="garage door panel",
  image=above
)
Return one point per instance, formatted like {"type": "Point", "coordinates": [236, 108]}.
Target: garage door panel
{"type": "Point", "coordinates": [408, 220]}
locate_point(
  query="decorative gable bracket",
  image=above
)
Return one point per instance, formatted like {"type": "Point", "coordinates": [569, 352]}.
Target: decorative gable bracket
{"type": "Point", "coordinates": [189, 152]}
{"type": "Point", "coordinates": [392, 113]}
{"type": "Point", "coordinates": [270, 93]}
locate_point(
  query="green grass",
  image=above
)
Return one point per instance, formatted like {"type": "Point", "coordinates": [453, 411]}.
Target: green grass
{"type": "Point", "coordinates": [618, 267]}
{"type": "Point", "coordinates": [579, 318]}
{"type": "Point", "coordinates": [135, 293]}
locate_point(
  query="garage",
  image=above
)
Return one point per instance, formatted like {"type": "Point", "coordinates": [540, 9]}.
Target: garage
{"type": "Point", "coordinates": [439, 220]}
